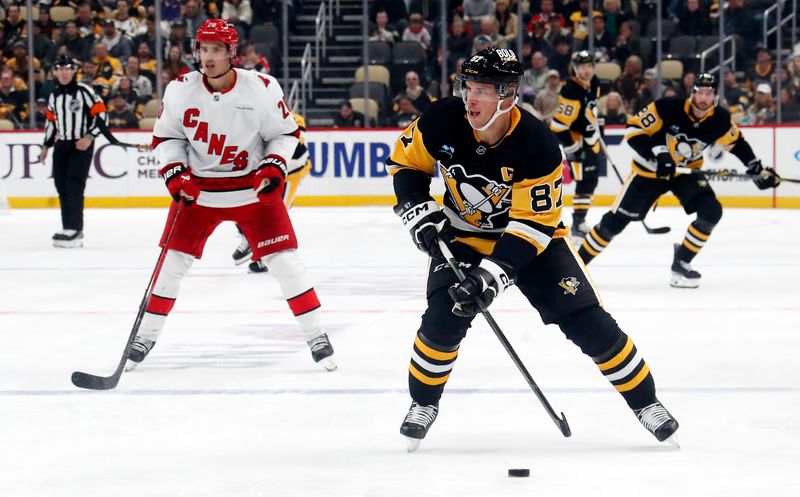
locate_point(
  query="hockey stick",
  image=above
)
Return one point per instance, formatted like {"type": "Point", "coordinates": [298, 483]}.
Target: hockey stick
{"type": "Point", "coordinates": [94, 382]}
{"type": "Point", "coordinates": [141, 147]}
{"type": "Point", "coordinates": [660, 230]}
{"type": "Point", "coordinates": [560, 422]}
{"type": "Point", "coordinates": [730, 174]}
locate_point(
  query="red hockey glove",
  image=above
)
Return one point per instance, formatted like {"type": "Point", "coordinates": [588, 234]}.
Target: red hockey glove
{"type": "Point", "coordinates": [270, 176]}
{"type": "Point", "coordinates": [180, 182]}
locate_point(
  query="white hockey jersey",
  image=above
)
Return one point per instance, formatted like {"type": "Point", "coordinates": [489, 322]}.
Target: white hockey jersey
{"type": "Point", "coordinates": [223, 136]}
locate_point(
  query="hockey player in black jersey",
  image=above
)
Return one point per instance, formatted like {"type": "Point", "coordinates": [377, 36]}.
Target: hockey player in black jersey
{"type": "Point", "coordinates": [502, 220]}
{"type": "Point", "coordinates": [576, 126]}
{"type": "Point", "coordinates": [669, 133]}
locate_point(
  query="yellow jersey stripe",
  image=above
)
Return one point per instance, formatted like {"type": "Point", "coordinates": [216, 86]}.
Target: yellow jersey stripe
{"type": "Point", "coordinates": [630, 385]}
{"type": "Point", "coordinates": [699, 234]}
{"type": "Point", "coordinates": [427, 379]}
{"type": "Point", "coordinates": [433, 353]}
{"type": "Point", "coordinates": [617, 359]}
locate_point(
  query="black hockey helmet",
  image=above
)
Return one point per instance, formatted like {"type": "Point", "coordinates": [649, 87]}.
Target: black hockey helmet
{"type": "Point", "coordinates": [582, 57]}
{"type": "Point", "coordinates": [492, 65]}
{"type": "Point", "coordinates": [705, 80]}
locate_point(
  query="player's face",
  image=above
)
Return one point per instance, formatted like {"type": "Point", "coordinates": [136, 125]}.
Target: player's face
{"type": "Point", "coordinates": [585, 71]}
{"type": "Point", "coordinates": [64, 74]}
{"type": "Point", "coordinates": [481, 102]}
{"type": "Point", "coordinates": [214, 58]}
{"type": "Point", "coordinates": [703, 98]}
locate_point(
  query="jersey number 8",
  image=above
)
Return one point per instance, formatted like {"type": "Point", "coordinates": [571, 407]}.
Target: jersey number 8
{"type": "Point", "coordinates": [542, 196]}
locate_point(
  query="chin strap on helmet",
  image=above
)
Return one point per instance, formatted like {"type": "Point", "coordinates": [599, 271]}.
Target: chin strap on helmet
{"type": "Point", "coordinates": [497, 113]}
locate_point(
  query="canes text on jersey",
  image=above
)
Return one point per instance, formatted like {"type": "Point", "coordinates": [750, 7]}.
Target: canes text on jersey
{"type": "Point", "coordinates": [216, 142]}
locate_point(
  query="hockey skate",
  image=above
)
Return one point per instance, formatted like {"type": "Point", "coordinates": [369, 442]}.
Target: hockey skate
{"type": "Point", "coordinates": [139, 349]}
{"type": "Point", "coordinates": [683, 276]}
{"type": "Point", "coordinates": [68, 239]}
{"type": "Point", "coordinates": [243, 252]}
{"type": "Point", "coordinates": [417, 423]}
{"type": "Point", "coordinates": [659, 422]}
{"type": "Point", "coordinates": [258, 267]}
{"type": "Point", "coordinates": [322, 352]}
{"type": "Point", "coordinates": [578, 231]}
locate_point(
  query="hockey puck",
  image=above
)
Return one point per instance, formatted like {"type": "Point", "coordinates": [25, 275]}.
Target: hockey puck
{"type": "Point", "coordinates": [519, 473]}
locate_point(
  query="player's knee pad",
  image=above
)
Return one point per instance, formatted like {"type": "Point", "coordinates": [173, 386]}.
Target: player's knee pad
{"type": "Point", "coordinates": [614, 222]}
{"type": "Point", "coordinates": [592, 329]}
{"type": "Point", "coordinates": [439, 323]}
{"type": "Point", "coordinates": [176, 265]}
{"type": "Point", "coordinates": [288, 270]}
{"type": "Point", "coordinates": [708, 209]}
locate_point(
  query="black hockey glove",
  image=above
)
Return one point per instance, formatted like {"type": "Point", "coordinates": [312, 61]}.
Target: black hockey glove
{"type": "Point", "coordinates": [764, 177]}
{"type": "Point", "coordinates": [575, 156]}
{"type": "Point", "coordinates": [665, 167]}
{"type": "Point", "coordinates": [427, 224]}
{"type": "Point", "coordinates": [486, 282]}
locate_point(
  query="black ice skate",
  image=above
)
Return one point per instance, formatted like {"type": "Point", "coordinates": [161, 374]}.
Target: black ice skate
{"type": "Point", "coordinates": [659, 422]}
{"type": "Point", "coordinates": [417, 423]}
{"type": "Point", "coordinates": [322, 352]}
{"type": "Point", "coordinates": [243, 252]}
{"type": "Point", "coordinates": [258, 267]}
{"type": "Point", "coordinates": [139, 349]}
{"type": "Point", "coordinates": [578, 231]}
{"type": "Point", "coordinates": [68, 239]}
{"type": "Point", "coordinates": [683, 276]}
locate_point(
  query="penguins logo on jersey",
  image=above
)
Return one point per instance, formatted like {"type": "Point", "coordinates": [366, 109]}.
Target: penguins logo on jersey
{"type": "Point", "coordinates": [683, 149]}
{"type": "Point", "coordinates": [477, 198]}
{"type": "Point", "coordinates": [570, 285]}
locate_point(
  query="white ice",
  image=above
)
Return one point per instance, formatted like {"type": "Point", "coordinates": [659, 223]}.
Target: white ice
{"type": "Point", "coordinates": [230, 404]}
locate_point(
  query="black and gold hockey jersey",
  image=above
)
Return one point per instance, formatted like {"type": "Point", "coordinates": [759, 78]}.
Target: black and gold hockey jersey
{"type": "Point", "coordinates": [575, 121]}
{"type": "Point", "coordinates": [503, 199]}
{"type": "Point", "coordinates": [668, 125]}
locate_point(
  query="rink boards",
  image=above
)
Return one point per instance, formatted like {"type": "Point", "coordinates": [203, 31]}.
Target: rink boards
{"type": "Point", "coordinates": [349, 169]}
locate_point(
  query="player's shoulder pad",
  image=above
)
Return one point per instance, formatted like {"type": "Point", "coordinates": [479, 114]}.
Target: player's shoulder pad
{"type": "Point", "coordinates": [539, 143]}
{"type": "Point", "coordinates": [665, 104]}
{"type": "Point", "coordinates": [256, 79]}
{"type": "Point", "coordinates": [440, 118]}
{"type": "Point", "coordinates": [571, 90]}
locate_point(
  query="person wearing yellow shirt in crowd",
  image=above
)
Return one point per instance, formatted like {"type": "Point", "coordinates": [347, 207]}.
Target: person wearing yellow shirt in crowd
{"type": "Point", "coordinates": [580, 21]}
{"type": "Point", "coordinates": [19, 62]}
{"type": "Point", "coordinates": [146, 61]}
{"type": "Point", "coordinates": [108, 67]}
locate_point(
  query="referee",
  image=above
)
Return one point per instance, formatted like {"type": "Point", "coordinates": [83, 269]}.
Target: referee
{"type": "Point", "coordinates": [74, 111]}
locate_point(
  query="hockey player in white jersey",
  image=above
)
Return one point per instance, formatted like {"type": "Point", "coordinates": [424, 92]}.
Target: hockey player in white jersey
{"type": "Point", "coordinates": [223, 137]}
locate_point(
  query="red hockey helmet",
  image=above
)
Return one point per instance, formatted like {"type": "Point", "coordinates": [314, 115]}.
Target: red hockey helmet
{"type": "Point", "coordinates": [217, 31]}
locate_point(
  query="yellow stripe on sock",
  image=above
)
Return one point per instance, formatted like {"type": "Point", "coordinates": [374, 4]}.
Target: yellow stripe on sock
{"type": "Point", "coordinates": [699, 234]}
{"type": "Point", "coordinates": [630, 385]}
{"type": "Point", "coordinates": [617, 359]}
{"type": "Point", "coordinates": [690, 246]}
{"type": "Point", "coordinates": [585, 245]}
{"type": "Point", "coordinates": [427, 379]}
{"type": "Point", "coordinates": [598, 238]}
{"type": "Point", "coordinates": [433, 353]}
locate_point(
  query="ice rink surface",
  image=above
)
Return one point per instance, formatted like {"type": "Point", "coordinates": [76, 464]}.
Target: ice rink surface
{"type": "Point", "coordinates": [229, 403]}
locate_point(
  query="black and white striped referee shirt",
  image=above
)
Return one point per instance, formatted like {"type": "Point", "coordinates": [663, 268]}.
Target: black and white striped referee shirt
{"type": "Point", "coordinates": [73, 111]}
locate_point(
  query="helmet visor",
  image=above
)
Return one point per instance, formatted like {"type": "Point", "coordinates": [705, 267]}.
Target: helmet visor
{"type": "Point", "coordinates": [469, 89]}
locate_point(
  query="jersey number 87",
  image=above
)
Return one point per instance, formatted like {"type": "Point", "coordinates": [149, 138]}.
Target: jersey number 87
{"type": "Point", "coordinates": [542, 196]}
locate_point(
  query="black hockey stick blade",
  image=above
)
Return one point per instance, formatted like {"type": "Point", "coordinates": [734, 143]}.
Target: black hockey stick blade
{"type": "Point", "coordinates": [93, 382]}
{"type": "Point", "coordinates": [658, 230]}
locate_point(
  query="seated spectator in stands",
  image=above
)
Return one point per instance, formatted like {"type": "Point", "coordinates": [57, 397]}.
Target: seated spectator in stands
{"type": "Point", "coordinates": [762, 71]}
{"type": "Point", "coordinates": [4, 44]}
{"type": "Point", "coordinates": [687, 84]}
{"type": "Point", "coordinates": [406, 112]}
{"type": "Point", "coordinates": [90, 75]}
{"type": "Point", "coordinates": [174, 65]}
{"type": "Point", "coordinates": [237, 12]}
{"type": "Point", "coordinates": [535, 77]}
{"type": "Point", "coordinates": [147, 34]}
{"type": "Point", "coordinates": [506, 22]}
{"type": "Point", "coordinates": [762, 110]}
{"type": "Point", "coordinates": [539, 42]}
{"type": "Point", "coordinates": [614, 16]}
{"type": "Point", "coordinates": [250, 59]}
{"type": "Point", "coordinates": [195, 16]}
{"type": "Point", "coordinates": [77, 46]}
{"type": "Point", "coordinates": [651, 90]}
{"type": "Point", "coordinates": [414, 90]}
{"type": "Point", "coordinates": [669, 92]}
{"type": "Point", "coordinates": [560, 59]}
{"type": "Point", "coordinates": [86, 21]}
{"type": "Point", "coordinates": [125, 89]}
{"type": "Point", "coordinates": [170, 10]}
{"type": "Point", "coordinates": [552, 82]}
{"type": "Point", "coordinates": [12, 102]}
{"type": "Point", "coordinates": [785, 80]}
{"type": "Point", "coordinates": [123, 21]}
{"type": "Point", "coordinates": [347, 117]}
{"type": "Point", "coordinates": [45, 22]}
{"type": "Point", "coordinates": [19, 62]}
{"type": "Point", "coordinates": [580, 21]}
{"type": "Point", "coordinates": [693, 20]}
{"type": "Point", "coordinates": [742, 20]}
{"type": "Point", "coordinates": [13, 24]}
{"type": "Point", "coordinates": [554, 30]}
{"type": "Point", "coordinates": [382, 31]}
{"type": "Point", "coordinates": [416, 31]}
{"type": "Point", "coordinates": [602, 40]}
{"type": "Point", "coordinates": [147, 64]}
{"type": "Point", "coordinates": [179, 37]}
{"type": "Point", "coordinates": [488, 36]}
{"type": "Point", "coordinates": [629, 82]}
{"type": "Point", "coordinates": [141, 84]}
{"type": "Point", "coordinates": [396, 9]}
{"type": "Point", "coordinates": [119, 45]}
{"type": "Point", "coordinates": [794, 69]}
{"type": "Point", "coordinates": [120, 115]}
{"type": "Point", "coordinates": [458, 43]}
{"type": "Point", "coordinates": [615, 110]}
{"type": "Point", "coordinates": [544, 106]}
{"type": "Point", "coordinates": [545, 16]}
{"type": "Point", "coordinates": [790, 107]}
{"type": "Point", "coordinates": [109, 67]}
{"type": "Point", "coordinates": [41, 112]}
{"type": "Point", "coordinates": [43, 47]}
{"type": "Point", "coordinates": [622, 48]}
{"type": "Point", "coordinates": [736, 97]}
{"type": "Point", "coordinates": [478, 9]}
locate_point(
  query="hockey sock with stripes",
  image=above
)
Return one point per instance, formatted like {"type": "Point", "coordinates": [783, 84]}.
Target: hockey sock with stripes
{"type": "Point", "coordinates": [625, 368]}
{"type": "Point", "coordinates": [695, 239]}
{"type": "Point", "coordinates": [429, 369]}
{"type": "Point", "coordinates": [594, 243]}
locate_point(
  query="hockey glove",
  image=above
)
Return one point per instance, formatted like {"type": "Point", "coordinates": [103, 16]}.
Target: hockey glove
{"type": "Point", "coordinates": [764, 177]}
{"type": "Point", "coordinates": [486, 282]}
{"type": "Point", "coordinates": [180, 182]}
{"type": "Point", "coordinates": [665, 167]}
{"type": "Point", "coordinates": [576, 155]}
{"type": "Point", "coordinates": [427, 224]}
{"type": "Point", "coordinates": [269, 177]}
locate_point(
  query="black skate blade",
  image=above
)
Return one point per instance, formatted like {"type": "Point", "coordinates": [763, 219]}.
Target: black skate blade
{"type": "Point", "coordinates": [93, 382]}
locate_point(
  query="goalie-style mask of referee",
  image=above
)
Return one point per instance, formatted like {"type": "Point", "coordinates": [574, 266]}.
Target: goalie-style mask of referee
{"type": "Point", "coordinates": [491, 75]}
{"type": "Point", "coordinates": [215, 45]}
